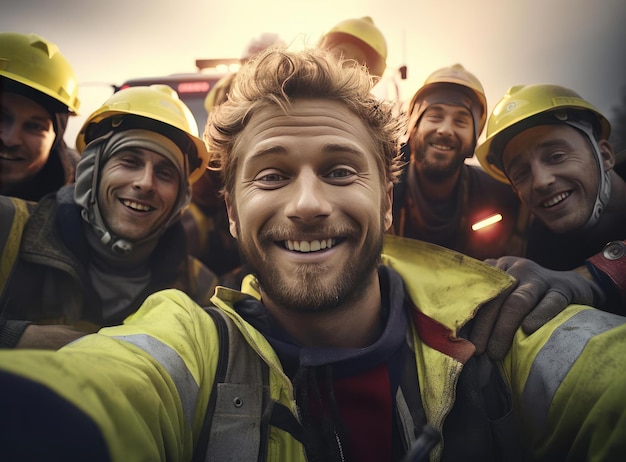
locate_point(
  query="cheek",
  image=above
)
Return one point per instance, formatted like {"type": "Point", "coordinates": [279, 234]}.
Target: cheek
{"type": "Point", "coordinates": [255, 209]}
{"type": "Point", "coordinates": [416, 141]}
{"type": "Point", "coordinates": [170, 194]}
{"type": "Point", "coordinates": [40, 149]}
{"type": "Point", "coordinates": [45, 143]}
{"type": "Point", "coordinates": [467, 137]}
{"type": "Point", "coordinates": [523, 191]}
{"type": "Point", "coordinates": [103, 186]}
{"type": "Point", "coordinates": [104, 202]}
{"type": "Point", "coordinates": [367, 206]}
{"type": "Point", "coordinates": [420, 131]}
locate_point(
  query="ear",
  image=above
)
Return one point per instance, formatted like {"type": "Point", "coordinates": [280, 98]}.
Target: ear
{"type": "Point", "coordinates": [606, 154]}
{"type": "Point", "coordinates": [232, 215]}
{"type": "Point", "coordinates": [387, 206]}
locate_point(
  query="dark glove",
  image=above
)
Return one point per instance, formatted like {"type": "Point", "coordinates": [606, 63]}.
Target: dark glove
{"type": "Point", "coordinates": [540, 294]}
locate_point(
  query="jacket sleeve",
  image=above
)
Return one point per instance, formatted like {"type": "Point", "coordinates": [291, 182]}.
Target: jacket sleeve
{"type": "Point", "coordinates": [139, 389]}
{"type": "Point", "coordinates": [608, 269]}
{"type": "Point", "coordinates": [11, 331]}
{"type": "Point", "coordinates": [569, 386]}
{"type": "Point", "coordinates": [14, 214]}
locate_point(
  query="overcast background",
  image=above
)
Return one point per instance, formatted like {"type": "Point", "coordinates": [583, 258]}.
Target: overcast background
{"type": "Point", "coordinates": [577, 43]}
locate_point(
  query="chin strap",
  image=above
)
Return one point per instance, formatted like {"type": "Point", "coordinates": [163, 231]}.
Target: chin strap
{"type": "Point", "coordinates": [604, 185]}
{"type": "Point", "coordinates": [116, 245]}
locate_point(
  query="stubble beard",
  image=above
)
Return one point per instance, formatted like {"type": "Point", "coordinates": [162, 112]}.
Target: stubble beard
{"type": "Point", "coordinates": [437, 172]}
{"type": "Point", "coordinates": [306, 290]}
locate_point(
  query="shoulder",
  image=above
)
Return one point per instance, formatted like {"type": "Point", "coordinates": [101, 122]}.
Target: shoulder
{"type": "Point", "coordinates": [569, 369]}
{"type": "Point", "coordinates": [10, 204]}
{"type": "Point", "coordinates": [15, 212]}
{"type": "Point", "coordinates": [168, 308]}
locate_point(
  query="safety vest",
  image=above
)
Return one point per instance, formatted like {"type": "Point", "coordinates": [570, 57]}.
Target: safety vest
{"type": "Point", "coordinates": [16, 213]}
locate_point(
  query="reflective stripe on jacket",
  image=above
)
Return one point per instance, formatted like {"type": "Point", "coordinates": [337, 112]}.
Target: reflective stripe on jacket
{"type": "Point", "coordinates": [14, 213]}
{"type": "Point", "coordinates": [155, 373]}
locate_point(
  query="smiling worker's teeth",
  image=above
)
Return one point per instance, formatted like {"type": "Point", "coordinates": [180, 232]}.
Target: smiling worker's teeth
{"type": "Point", "coordinates": [309, 246]}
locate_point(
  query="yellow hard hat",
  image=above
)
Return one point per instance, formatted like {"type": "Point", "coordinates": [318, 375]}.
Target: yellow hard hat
{"type": "Point", "coordinates": [155, 102]}
{"type": "Point", "coordinates": [522, 102]}
{"type": "Point", "coordinates": [37, 63]}
{"type": "Point", "coordinates": [457, 75]}
{"type": "Point", "coordinates": [218, 94]}
{"type": "Point", "coordinates": [365, 32]}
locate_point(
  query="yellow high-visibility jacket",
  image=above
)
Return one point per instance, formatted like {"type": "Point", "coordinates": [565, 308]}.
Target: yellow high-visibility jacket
{"type": "Point", "coordinates": [44, 267]}
{"type": "Point", "coordinates": [146, 384]}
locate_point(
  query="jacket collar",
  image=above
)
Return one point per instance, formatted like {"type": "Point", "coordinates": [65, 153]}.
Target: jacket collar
{"type": "Point", "coordinates": [445, 285]}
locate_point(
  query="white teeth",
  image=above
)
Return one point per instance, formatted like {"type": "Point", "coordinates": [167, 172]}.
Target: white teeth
{"type": "Point", "coordinates": [442, 147]}
{"type": "Point", "coordinates": [555, 200]}
{"type": "Point", "coordinates": [136, 206]}
{"type": "Point", "coordinates": [310, 246]}
{"type": "Point", "coordinates": [8, 157]}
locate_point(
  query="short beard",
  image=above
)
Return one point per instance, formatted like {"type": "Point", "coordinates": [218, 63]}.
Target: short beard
{"type": "Point", "coordinates": [306, 291]}
{"type": "Point", "coordinates": [435, 172]}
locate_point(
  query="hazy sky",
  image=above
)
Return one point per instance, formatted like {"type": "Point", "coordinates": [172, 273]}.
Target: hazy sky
{"type": "Point", "coordinates": [576, 43]}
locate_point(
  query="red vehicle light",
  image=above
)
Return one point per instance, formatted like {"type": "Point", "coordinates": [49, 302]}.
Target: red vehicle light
{"type": "Point", "coordinates": [193, 87]}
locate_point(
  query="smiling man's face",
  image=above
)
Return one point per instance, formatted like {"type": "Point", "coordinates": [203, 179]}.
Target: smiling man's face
{"type": "Point", "coordinates": [443, 138]}
{"type": "Point", "coordinates": [555, 173]}
{"type": "Point", "coordinates": [137, 192]}
{"type": "Point", "coordinates": [26, 138]}
{"type": "Point", "coordinates": [309, 206]}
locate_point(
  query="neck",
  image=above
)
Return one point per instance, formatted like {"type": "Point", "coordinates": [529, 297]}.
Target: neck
{"type": "Point", "coordinates": [618, 193]}
{"type": "Point", "coordinates": [103, 257]}
{"type": "Point", "coordinates": [355, 324]}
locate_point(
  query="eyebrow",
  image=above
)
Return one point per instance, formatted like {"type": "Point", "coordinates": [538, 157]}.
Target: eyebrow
{"type": "Point", "coordinates": [40, 118]}
{"type": "Point", "coordinates": [540, 146]}
{"type": "Point", "coordinates": [438, 108]}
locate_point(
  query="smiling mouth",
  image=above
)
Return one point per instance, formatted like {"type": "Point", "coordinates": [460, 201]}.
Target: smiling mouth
{"type": "Point", "coordinates": [136, 206]}
{"type": "Point", "coordinates": [441, 147]}
{"type": "Point", "coordinates": [10, 158]}
{"type": "Point", "coordinates": [555, 200]}
{"type": "Point", "coordinates": [310, 246]}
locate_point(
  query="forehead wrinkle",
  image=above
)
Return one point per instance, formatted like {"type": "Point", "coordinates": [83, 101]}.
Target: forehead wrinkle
{"type": "Point", "coordinates": [143, 153]}
{"type": "Point", "coordinates": [328, 148]}
{"type": "Point", "coordinates": [347, 148]}
{"type": "Point", "coordinates": [458, 110]}
{"type": "Point", "coordinates": [263, 152]}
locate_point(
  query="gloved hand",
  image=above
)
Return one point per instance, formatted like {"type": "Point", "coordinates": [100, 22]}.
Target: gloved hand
{"type": "Point", "coordinates": [539, 295]}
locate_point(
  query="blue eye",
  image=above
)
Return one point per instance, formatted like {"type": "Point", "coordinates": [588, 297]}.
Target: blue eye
{"type": "Point", "coordinates": [340, 173]}
{"type": "Point", "coordinates": [271, 177]}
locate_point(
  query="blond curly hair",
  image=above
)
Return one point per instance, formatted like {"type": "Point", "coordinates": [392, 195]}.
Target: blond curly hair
{"type": "Point", "coordinates": [276, 77]}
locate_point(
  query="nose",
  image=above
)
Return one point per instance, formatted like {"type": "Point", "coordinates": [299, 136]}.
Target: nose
{"type": "Point", "coordinates": [10, 134]}
{"type": "Point", "coordinates": [144, 179]}
{"type": "Point", "coordinates": [308, 199]}
{"type": "Point", "coordinates": [542, 177]}
{"type": "Point", "coordinates": [445, 127]}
